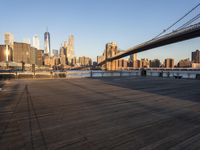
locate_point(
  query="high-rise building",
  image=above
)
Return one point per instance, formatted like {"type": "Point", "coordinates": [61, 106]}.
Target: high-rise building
{"type": "Point", "coordinates": [74, 61]}
{"type": "Point", "coordinates": [48, 61]}
{"type": "Point", "coordinates": [47, 45]}
{"type": "Point", "coordinates": [155, 63]}
{"type": "Point", "coordinates": [85, 61]}
{"type": "Point", "coordinates": [184, 63]}
{"type": "Point", "coordinates": [122, 64]}
{"type": "Point", "coordinates": [33, 55]}
{"type": "Point", "coordinates": [65, 44]}
{"type": "Point", "coordinates": [196, 56]}
{"type": "Point", "coordinates": [63, 60]}
{"type": "Point", "coordinates": [22, 52]}
{"type": "Point", "coordinates": [39, 57]}
{"type": "Point", "coordinates": [145, 63]}
{"type": "Point", "coordinates": [36, 42]}
{"type": "Point", "coordinates": [27, 41]}
{"type": "Point", "coordinates": [169, 63]}
{"type": "Point", "coordinates": [70, 49]}
{"type": "Point", "coordinates": [55, 52]}
{"type": "Point", "coordinates": [6, 53]}
{"type": "Point", "coordinates": [9, 39]}
{"type": "Point", "coordinates": [133, 60]}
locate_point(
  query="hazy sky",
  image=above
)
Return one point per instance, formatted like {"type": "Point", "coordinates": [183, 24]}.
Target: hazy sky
{"type": "Point", "coordinates": [96, 22]}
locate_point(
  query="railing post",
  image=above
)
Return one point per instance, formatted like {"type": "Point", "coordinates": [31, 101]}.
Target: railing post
{"type": "Point", "coordinates": [91, 74]}
{"type": "Point", "coordinates": [16, 77]}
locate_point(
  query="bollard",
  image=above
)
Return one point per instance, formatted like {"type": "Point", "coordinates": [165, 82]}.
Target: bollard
{"type": "Point", "coordinates": [91, 74]}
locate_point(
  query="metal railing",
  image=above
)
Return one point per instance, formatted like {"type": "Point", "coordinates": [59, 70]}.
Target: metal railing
{"type": "Point", "coordinates": [98, 74]}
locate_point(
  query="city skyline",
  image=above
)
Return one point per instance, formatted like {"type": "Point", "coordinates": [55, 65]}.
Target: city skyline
{"type": "Point", "coordinates": [93, 28]}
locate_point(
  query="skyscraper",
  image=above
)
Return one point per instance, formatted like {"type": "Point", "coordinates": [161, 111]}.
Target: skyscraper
{"type": "Point", "coordinates": [196, 56]}
{"type": "Point", "coordinates": [27, 40]}
{"type": "Point", "coordinates": [133, 59]}
{"type": "Point", "coordinates": [36, 42]}
{"type": "Point", "coordinates": [169, 63]}
{"type": "Point", "coordinates": [70, 48]}
{"type": "Point", "coordinates": [8, 39]}
{"type": "Point", "coordinates": [55, 52]}
{"type": "Point", "coordinates": [47, 47]}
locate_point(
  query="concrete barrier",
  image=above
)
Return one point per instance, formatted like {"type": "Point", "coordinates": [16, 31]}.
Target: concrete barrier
{"type": "Point", "coordinates": [98, 74]}
{"type": "Point", "coordinates": [198, 76]}
{"type": "Point", "coordinates": [7, 76]}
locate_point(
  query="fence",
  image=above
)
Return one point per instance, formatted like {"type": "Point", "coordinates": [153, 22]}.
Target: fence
{"type": "Point", "coordinates": [96, 74]}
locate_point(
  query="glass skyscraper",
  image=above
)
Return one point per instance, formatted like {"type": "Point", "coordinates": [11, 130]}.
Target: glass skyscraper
{"type": "Point", "coordinates": [47, 46]}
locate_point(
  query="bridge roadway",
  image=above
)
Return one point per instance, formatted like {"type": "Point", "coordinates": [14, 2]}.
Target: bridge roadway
{"type": "Point", "coordinates": [190, 32]}
{"type": "Point", "coordinates": [107, 113]}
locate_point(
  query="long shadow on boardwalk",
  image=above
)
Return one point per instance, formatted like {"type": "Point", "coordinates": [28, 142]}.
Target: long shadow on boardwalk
{"type": "Point", "coordinates": [184, 89]}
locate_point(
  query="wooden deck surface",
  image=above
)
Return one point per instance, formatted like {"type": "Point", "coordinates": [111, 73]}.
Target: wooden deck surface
{"type": "Point", "coordinates": [109, 113]}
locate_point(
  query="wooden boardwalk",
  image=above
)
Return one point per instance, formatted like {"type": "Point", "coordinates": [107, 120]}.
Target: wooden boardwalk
{"type": "Point", "coordinates": [109, 113]}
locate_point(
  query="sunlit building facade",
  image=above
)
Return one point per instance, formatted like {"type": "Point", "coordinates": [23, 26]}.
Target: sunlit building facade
{"type": "Point", "coordinates": [9, 39]}
{"type": "Point", "coordinates": [36, 42]}
{"type": "Point", "coordinates": [22, 52]}
{"type": "Point", "coordinates": [196, 56]}
{"type": "Point", "coordinates": [3, 57]}
{"type": "Point", "coordinates": [169, 63]}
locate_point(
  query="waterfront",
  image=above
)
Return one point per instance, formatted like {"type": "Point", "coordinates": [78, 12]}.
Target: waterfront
{"type": "Point", "coordinates": [104, 113]}
{"type": "Point", "coordinates": [165, 73]}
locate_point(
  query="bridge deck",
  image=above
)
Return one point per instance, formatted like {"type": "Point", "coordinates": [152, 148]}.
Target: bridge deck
{"type": "Point", "coordinates": [112, 113]}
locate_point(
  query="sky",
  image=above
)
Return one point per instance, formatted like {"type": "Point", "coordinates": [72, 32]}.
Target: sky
{"type": "Point", "coordinates": [97, 22]}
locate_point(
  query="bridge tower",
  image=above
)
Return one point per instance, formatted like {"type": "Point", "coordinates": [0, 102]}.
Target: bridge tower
{"type": "Point", "coordinates": [110, 51]}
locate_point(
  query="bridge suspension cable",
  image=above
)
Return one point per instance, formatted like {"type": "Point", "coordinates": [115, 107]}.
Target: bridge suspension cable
{"type": "Point", "coordinates": [189, 22]}
{"type": "Point", "coordinates": [165, 30]}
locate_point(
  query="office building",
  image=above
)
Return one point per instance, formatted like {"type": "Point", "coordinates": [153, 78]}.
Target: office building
{"type": "Point", "coordinates": [27, 41]}
{"type": "Point", "coordinates": [6, 53]}
{"type": "Point", "coordinates": [70, 47]}
{"type": "Point", "coordinates": [184, 63]}
{"type": "Point", "coordinates": [122, 64]}
{"type": "Point", "coordinates": [47, 43]}
{"type": "Point", "coordinates": [74, 61]}
{"type": "Point", "coordinates": [63, 60]}
{"type": "Point", "coordinates": [196, 65]}
{"type": "Point", "coordinates": [48, 61]}
{"type": "Point", "coordinates": [55, 52]}
{"type": "Point", "coordinates": [169, 63]}
{"type": "Point", "coordinates": [196, 56]}
{"type": "Point", "coordinates": [33, 55]}
{"type": "Point", "coordinates": [155, 63]}
{"type": "Point", "coordinates": [22, 52]}
{"type": "Point", "coordinates": [9, 39]}
{"type": "Point", "coordinates": [63, 52]}
{"type": "Point", "coordinates": [85, 61]}
{"type": "Point", "coordinates": [68, 50]}
{"type": "Point", "coordinates": [39, 56]}
{"type": "Point", "coordinates": [144, 63]}
{"type": "Point", "coordinates": [133, 61]}
{"type": "Point", "coordinates": [36, 42]}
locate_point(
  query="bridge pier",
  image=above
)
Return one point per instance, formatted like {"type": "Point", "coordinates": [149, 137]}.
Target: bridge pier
{"type": "Point", "coordinates": [112, 66]}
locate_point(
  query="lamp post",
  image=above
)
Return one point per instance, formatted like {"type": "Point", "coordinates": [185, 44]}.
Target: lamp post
{"type": "Point", "coordinates": [7, 54]}
{"type": "Point", "coordinates": [27, 57]}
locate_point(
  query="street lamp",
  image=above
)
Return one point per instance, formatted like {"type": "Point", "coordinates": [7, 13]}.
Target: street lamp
{"type": "Point", "coordinates": [27, 57]}
{"type": "Point", "coordinates": [7, 55]}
